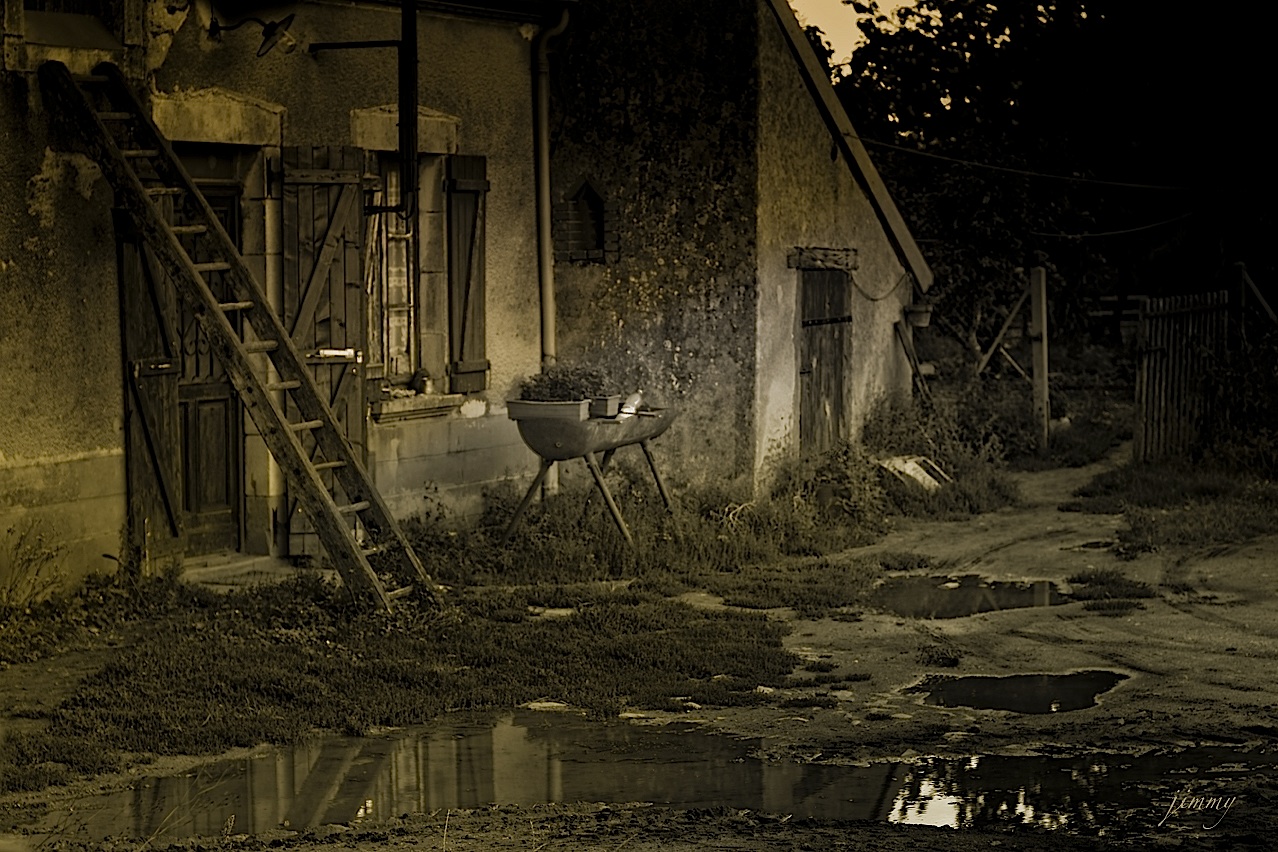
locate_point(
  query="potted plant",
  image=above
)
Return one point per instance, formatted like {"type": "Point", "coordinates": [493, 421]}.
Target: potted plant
{"type": "Point", "coordinates": [919, 314]}
{"type": "Point", "coordinates": [564, 392]}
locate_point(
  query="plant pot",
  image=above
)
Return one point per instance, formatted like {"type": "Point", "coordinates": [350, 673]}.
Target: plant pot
{"type": "Point", "coordinates": [526, 409]}
{"type": "Point", "coordinates": [605, 406]}
{"type": "Point", "coordinates": [919, 315]}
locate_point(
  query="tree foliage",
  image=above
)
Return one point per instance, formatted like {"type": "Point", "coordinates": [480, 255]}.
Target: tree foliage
{"type": "Point", "coordinates": [1119, 100]}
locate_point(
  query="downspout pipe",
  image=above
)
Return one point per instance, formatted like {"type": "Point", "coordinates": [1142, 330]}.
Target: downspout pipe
{"type": "Point", "coordinates": [541, 140]}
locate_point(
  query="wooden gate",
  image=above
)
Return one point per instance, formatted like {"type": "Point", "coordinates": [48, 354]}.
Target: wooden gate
{"type": "Point", "coordinates": [1181, 337]}
{"type": "Point", "coordinates": [324, 305]}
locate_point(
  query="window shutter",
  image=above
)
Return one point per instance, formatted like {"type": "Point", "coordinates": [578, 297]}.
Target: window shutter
{"type": "Point", "coordinates": [467, 189]}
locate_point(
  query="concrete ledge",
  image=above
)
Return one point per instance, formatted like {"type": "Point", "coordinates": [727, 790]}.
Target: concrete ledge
{"type": "Point", "coordinates": [377, 129]}
{"type": "Point", "coordinates": [218, 115]}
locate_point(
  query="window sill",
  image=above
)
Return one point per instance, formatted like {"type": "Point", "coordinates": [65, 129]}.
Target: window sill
{"type": "Point", "coordinates": [414, 407]}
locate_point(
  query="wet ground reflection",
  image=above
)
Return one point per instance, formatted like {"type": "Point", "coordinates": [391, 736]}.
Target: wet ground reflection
{"type": "Point", "coordinates": [956, 597]}
{"type": "Point", "coordinates": [1029, 693]}
{"type": "Point", "coordinates": [530, 757]}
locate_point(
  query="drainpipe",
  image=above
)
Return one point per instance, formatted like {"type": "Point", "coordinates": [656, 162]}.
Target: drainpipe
{"type": "Point", "coordinates": [545, 247]}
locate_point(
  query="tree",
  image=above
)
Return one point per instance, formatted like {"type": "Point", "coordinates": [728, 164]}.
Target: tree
{"type": "Point", "coordinates": [1098, 93]}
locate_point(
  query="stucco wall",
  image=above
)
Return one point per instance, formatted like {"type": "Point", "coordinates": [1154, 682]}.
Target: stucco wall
{"type": "Point", "coordinates": [61, 438]}
{"type": "Point", "coordinates": [654, 104]}
{"type": "Point", "coordinates": [809, 198]}
{"type": "Point", "coordinates": [478, 71]}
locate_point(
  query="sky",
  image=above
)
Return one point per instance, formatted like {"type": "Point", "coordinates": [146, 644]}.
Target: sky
{"type": "Point", "coordinates": [836, 20]}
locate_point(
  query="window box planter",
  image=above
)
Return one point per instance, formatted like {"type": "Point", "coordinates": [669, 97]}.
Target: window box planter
{"type": "Point", "coordinates": [525, 409]}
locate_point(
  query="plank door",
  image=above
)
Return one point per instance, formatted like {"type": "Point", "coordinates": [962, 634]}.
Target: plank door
{"type": "Point", "coordinates": [152, 365]}
{"type": "Point", "coordinates": [324, 305]}
{"type": "Point", "coordinates": [824, 348]}
{"type": "Point", "coordinates": [211, 416]}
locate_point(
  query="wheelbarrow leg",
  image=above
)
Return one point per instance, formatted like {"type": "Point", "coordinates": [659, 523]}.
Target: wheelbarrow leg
{"type": "Point", "coordinates": [607, 495]}
{"type": "Point", "coordinates": [523, 504]}
{"type": "Point", "coordinates": [603, 468]}
{"type": "Point", "coordinates": [652, 463]}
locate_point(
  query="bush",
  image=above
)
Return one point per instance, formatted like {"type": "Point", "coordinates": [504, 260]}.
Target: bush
{"type": "Point", "coordinates": [972, 460]}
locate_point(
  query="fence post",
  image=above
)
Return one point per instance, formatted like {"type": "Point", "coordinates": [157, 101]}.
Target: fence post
{"type": "Point", "coordinates": [1038, 338]}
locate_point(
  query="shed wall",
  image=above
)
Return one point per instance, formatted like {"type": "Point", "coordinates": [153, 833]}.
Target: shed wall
{"type": "Point", "coordinates": [809, 197]}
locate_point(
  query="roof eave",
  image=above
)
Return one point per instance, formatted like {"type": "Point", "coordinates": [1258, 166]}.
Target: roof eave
{"type": "Point", "coordinates": [850, 145]}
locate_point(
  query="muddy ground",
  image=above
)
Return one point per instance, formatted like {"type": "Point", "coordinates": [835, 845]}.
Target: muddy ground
{"type": "Point", "coordinates": [1200, 660]}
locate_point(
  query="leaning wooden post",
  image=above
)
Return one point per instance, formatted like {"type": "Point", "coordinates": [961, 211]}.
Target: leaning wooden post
{"type": "Point", "coordinates": [1038, 337]}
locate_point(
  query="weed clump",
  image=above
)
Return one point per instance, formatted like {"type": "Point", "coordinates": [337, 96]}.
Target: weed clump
{"type": "Point", "coordinates": [1107, 584]}
{"type": "Point", "coordinates": [970, 454]}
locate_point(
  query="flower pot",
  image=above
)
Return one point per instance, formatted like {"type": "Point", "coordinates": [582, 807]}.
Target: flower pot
{"type": "Point", "coordinates": [526, 409]}
{"type": "Point", "coordinates": [919, 315]}
{"type": "Point", "coordinates": [605, 406]}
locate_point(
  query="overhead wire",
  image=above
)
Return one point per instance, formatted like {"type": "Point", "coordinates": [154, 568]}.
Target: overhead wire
{"type": "Point", "coordinates": [1022, 172]}
{"type": "Point", "coordinates": [1116, 233]}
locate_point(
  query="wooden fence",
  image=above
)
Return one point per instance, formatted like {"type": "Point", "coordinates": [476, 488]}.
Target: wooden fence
{"type": "Point", "coordinates": [1181, 337]}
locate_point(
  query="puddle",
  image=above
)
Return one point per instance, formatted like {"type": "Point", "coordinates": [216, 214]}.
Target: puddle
{"type": "Point", "coordinates": [955, 597]}
{"type": "Point", "coordinates": [1031, 693]}
{"type": "Point", "coordinates": [530, 758]}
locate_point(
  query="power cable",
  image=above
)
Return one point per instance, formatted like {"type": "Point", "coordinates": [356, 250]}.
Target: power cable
{"type": "Point", "coordinates": [1117, 233]}
{"type": "Point", "coordinates": [1022, 172]}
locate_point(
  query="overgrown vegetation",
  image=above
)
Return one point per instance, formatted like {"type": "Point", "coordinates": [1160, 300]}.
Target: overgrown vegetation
{"type": "Point", "coordinates": [274, 663]}
{"type": "Point", "coordinates": [566, 383]}
{"type": "Point", "coordinates": [28, 568]}
{"type": "Point", "coordinates": [1182, 503]}
{"type": "Point", "coordinates": [952, 431]}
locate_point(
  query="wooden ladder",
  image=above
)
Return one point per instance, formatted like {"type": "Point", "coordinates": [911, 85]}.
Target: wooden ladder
{"type": "Point", "coordinates": [351, 520]}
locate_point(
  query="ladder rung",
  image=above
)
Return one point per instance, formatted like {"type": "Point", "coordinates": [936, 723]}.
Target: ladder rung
{"type": "Point", "coordinates": [291, 384]}
{"type": "Point", "coordinates": [352, 508]}
{"type": "Point", "coordinates": [213, 266]}
{"type": "Point", "coordinates": [306, 425]}
{"type": "Point", "coordinates": [399, 593]}
{"type": "Point", "coordinates": [235, 306]}
{"type": "Point", "coordinates": [188, 229]}
{"type": "Point", "coordinates": [329, 465]}
{"type": "Point", "coordinates": [140, 153]}
{"type": "Point", "coordinates": [261, 346]}
{"type": "Point", "coordinates": [164, 190]}
{"type": "Point", "coordinates": [115, 116]}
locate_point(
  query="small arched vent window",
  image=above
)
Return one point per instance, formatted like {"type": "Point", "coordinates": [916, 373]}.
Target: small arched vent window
{"type": "Point", "coordinates": [584, 227]}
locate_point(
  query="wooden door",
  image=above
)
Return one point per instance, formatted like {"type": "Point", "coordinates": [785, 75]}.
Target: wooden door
{"type": "Point", "coordinates": [210, 413]}
{"type": "Point", "coordinates": [324, 306]}
{"type": "Point", "coordinates": [152, 365]}
{"type": "Point", "coordinates": [824, 349]}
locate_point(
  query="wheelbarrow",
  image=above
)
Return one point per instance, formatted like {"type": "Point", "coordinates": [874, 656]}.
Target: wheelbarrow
{"type": "Point", "coordinates": [556, 440]}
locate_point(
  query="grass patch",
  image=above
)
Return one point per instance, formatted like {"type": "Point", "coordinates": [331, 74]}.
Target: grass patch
{"type": "Point", "coordinates": [1097, 584]}
{"type": "Point", "coordinates": [811, 588]}
{"type": "Point", "coordinates": [825, 702]}
{"type": "Point", "coordinates": [1113, 607]}
{"type": "Point", "coordinates": [1182, 504]}
{"type": "Point", "coordinates": [819, 666]}
{"type": "Point", "coordinates": [275, 663]}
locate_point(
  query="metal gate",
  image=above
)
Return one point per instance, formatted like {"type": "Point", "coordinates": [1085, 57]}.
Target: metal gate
{"type": "Point", "coordinates": [1181, 338]}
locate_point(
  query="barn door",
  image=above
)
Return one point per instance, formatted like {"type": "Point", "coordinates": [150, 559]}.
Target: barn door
{"type": "Point", "coordinates": [467, 189]}
{"type": "Point", "coordinates": [824, 342]}
{"type": "Point", "coordinates": [152, 366]}
{"type": "Point", "coordinates": [324, 301]}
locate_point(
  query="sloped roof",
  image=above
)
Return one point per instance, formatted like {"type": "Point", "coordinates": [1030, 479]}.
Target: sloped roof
{"type": "Point", "coordinates": [858, 159]}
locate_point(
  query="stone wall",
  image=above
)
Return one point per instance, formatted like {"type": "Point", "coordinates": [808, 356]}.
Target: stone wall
{"type": "Point", "coordinates": [61, 430]}
{"type": "Point", "coordinates": [810, 197]}
{"type": "Point", "coordinates": [654, 104]}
